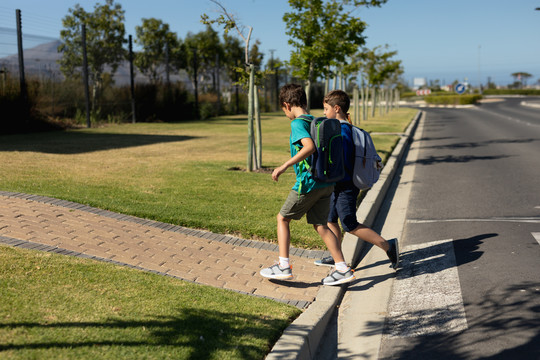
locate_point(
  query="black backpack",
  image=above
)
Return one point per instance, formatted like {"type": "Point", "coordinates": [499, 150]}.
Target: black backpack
{"type": "Point", "coordinates": [327, 162]}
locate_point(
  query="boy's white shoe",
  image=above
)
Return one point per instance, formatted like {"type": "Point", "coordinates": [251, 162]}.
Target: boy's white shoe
{"type": "Point", "coordinates": [275, 272]}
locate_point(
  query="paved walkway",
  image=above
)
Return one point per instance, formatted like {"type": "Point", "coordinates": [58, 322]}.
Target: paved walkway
{"type": "Point", "coordinates": [223, 261]}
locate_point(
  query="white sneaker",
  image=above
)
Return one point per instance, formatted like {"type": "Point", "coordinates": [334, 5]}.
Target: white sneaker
{"type": "Point", "coordinates": [336, 277]}
{"type": "Point", "coordinates": [275, 272]}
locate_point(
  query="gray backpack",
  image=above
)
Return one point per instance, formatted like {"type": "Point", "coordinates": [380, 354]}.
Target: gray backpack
{"type": "Point", "coordinates": [367, 163]}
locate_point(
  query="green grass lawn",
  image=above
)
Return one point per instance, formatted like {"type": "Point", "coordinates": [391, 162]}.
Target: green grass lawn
{"type": "Point", "coordinates": [181, 173]}
{"type": "Point", "coordinates": [59, 307]}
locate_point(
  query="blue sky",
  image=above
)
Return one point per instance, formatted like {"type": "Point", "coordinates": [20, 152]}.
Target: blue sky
{"type": "Point", "coordinates": [444, 40]}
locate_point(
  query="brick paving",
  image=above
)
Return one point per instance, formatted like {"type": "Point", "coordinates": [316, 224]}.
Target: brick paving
{"type": "Point", "coordinates": [64, 227]}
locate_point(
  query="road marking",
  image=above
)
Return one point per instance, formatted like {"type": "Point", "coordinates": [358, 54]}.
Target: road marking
{"type": "Point", "coordinates": [525, 219]}
{"type": "Point", "coordinates": [426, 297]}
{"type": "Point", "coordinates": [536, 235]}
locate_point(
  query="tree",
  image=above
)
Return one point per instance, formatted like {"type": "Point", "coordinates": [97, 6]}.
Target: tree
{"type": "Point", "coordinates": [160, 49]}
{"type": "Point", "coordinates": [233, 53]}
{"type": "Point", "coordinates": [521, 78]}
{"type": "Point", "coordinates": [205, 46]}
{"type": "Point", "coordinates": [105, 38]}
{"type": "Point", "coordinates": [323, 33]}
{"type": "Point", "coordinates": [378, 67]}
{"type": "Point", "coordinates": [254, 154]}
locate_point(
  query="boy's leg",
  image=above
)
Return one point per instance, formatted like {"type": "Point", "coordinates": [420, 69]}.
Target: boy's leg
{"type": "Point", "coordinates": [369, 235]}
{"type": "Point", "coordinates": [331, 242]}
{"type": "Point", "coordinates": [318, 217]}
{"type": "Point", "coordinates": [329, 260]}
{"type": "Point", "coordinates": [282, 270]}
{"type": "Point", "coordinates": [334, 227]}
{"type": "Point", "coordinates": [390, 247]}
{"type": "Point", "coordinates": [343, 272]}
{"type": "Point", "coordinates": [333, 215]}
{"type": "Point", "coordinates": [293, 209]}
{"type": "Point", "coordinates": [344, 204]}
{"type": "Point", "coordinates": [283, 235]}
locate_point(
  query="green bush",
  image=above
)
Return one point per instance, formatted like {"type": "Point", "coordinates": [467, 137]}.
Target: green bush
{"type": "Point", "coordinates": [452, 99]}
{"type": "Point", "coordinates": [512, 92]}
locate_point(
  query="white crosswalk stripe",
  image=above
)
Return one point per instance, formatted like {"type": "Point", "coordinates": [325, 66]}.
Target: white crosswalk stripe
{"type": "Point", "coordinates": [426, 298]}
{"type": "Point", "coordinates": [536, 235]}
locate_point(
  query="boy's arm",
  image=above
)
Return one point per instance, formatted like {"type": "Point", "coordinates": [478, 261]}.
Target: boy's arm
{"type": "Point", "coordinates": [307, 149]}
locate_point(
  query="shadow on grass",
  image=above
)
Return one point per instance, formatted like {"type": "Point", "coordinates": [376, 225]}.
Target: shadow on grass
{"type": "Point", "coordinates": [73, 142]}
{"type": "Point", "coordinates": [201, 333]}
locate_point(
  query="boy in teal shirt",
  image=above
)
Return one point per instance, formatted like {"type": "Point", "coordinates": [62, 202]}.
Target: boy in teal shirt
{"type": "Point", "coordinates": [307, 196]}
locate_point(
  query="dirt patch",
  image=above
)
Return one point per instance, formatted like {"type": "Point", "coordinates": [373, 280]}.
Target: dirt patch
{"type": "Point", "coordinates": [262, 170]}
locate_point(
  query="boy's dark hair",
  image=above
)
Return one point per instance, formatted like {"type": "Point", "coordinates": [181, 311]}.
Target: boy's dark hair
{"type": "Point", "coordinates": [338, 97]}
{"type": "Point", "coordinates": [294, 95]}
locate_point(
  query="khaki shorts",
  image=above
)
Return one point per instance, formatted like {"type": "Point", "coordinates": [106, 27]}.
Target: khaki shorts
{"type": "Point", "coordinates": [316, 204]}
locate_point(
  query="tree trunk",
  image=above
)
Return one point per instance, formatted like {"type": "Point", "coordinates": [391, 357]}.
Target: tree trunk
{"type": "Point", "coordinates": [218, 86]}
{"type": "Point", "coordinates": [308, 86]}
{"type": "Point", "coordinates": [356, 112]}
{"type": "Point", "coordinates": [249, 166]}
{"type": "Point", "coordinates": [365, 102]}
{"type": "Point", "coordinates": [373, 101]}
{"type": "Point", "coordinates": [258, 129]}
{"type": "Point", "coordinates": [327, 81]}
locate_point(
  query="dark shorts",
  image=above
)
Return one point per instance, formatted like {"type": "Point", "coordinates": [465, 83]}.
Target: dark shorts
{"type": "Point", "coordinates": [315, 204]}
{"type": "Point", "coordinates": [343, 205]}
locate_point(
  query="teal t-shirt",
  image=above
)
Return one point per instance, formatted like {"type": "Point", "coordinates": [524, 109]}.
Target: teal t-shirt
{"type": "Point", "coordinates": [304, 180]}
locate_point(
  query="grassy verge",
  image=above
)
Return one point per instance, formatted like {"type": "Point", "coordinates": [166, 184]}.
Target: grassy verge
{"type": "Point", "coordinates": [183, 173]}
{"type": "Point", "coordinates": [82, 309]}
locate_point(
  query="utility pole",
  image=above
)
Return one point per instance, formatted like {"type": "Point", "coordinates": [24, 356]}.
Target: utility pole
{"type": "Point", "coordinates": [85, 75]}
{"type": "Point", "coordinates": [132, 80]}
{"type": "Point", "coordinates": [196, 87]}
{"type": "Point", "coordinates": [167, 68]}
{"type": "Point", "coordinates": [24, 91]}
{"type": "Point", "coordinates": [479, 71]}
{"type": "Point", "coordinates": [275, 94]}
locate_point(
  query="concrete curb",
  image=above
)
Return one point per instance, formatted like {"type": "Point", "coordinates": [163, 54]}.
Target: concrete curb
{"type": "Point", "coordinates": [301, 339]}
{"type": "Point", "coordinates": [531, 104]}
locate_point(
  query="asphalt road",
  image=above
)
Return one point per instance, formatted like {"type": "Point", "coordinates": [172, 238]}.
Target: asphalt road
{"type": "Point", "coordinates": [477, 182]}
{"type": "Point", "coordinates": [469, 285]}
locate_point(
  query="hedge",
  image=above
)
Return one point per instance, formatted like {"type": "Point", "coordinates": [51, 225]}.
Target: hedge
{"type": "Point", "coordinates": [452, 99]}
{"type": "Point", "coordinates": [511, 92]}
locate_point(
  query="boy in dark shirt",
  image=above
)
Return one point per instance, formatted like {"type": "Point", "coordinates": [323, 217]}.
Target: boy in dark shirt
{"type": "Point", "coordinates": [343, 202]}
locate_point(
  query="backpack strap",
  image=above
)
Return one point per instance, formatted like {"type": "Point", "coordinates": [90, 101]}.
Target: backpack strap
{"type": "Point", "coordinates": [365, 143]}
{"type": "Point", "coordinates": [347, 170]}
{"type": "Point", "coordinates": [304, 162]}
{"type": "Point", "coordinates": [304, 117]}
{"type": "Point", "coordinates": [302, 165]}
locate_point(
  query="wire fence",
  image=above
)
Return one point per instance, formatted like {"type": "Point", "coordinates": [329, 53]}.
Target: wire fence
{"type": "Point", "coordinates": [58, 97]}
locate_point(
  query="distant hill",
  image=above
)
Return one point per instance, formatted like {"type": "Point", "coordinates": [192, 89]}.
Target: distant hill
{"type": "Point", "coordinates": [37, 60]}
{"type": "Point", "coordinates": [42, 60]}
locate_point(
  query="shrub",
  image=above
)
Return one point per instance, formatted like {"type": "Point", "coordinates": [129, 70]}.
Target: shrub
{"type": "Point", "coordinates": [452, 99]}
{"type": "Point", "coordinates": [512, 92]}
